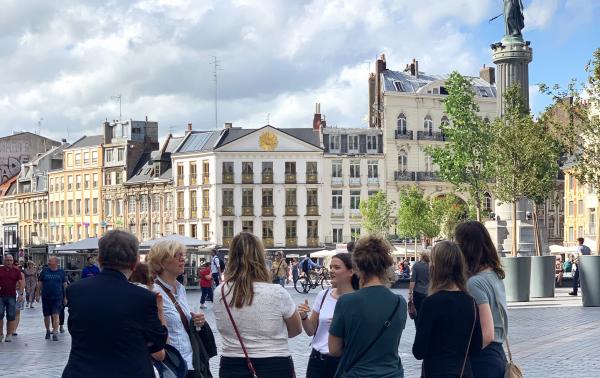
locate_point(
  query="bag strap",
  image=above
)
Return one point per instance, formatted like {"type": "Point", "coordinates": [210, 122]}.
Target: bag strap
{"type": "Point", "coordinates": [386, 325]}
{"type": "Point", "coordinates": [321, 308]}
{"type": "Point", "coordinates": [503, 318]}
{"type": "Point", "coordinates": [470, 338]}
{"type": "Point", "coordinates": [184, 319]}
{"type": "Point", "coordinates": [237, 333]}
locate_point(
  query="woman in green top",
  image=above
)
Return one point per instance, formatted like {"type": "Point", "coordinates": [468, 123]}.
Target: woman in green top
{"type": "Point", "coordinates": [367, 324]}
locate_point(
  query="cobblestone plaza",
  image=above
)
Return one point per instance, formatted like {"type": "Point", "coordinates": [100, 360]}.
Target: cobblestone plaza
{"type": "Point", "coordinates": [554, 337]}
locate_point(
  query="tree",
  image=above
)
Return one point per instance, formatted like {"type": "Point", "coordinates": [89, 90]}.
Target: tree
{"type": "Point", "coordinates": [514, 154]}
{"type": "Point", "coordinates": [448, 210]}
{"type": "Point", "coordinates": [376, 214]}
{"type": "Point", "coordinates": [464, 160]}
{"type": "Point", "coordinates": [413, 214]}
{"type": "Point", "coordinates": [579, 130]}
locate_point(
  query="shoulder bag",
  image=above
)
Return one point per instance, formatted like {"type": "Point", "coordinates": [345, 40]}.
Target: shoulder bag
{"type": "Point", "coordinates": [320, 309]}
{"type": "Point", "coordinates": [462, 371]}
{"type": "Point", "coordinates": [512, 370]}
{"type": "Point", "coordinates": [386, 325]}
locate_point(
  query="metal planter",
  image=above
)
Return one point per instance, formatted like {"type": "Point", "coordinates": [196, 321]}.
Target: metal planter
{"type": "Point", "coordinates": [542, 277]}
{"type": "Point", "coordinates": [589, 276]}
{"type": "Point", "coordinates": [518, 278]}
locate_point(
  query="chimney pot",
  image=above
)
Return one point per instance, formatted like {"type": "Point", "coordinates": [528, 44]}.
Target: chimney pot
{"type": "Point", "coordinates": [488, 74]}
{"type": "Point", "coordinates": [228, 125]}
{"type": "Point", "coordinates": [189, 127]}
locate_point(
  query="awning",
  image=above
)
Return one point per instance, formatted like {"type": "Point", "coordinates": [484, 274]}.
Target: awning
{"type": "Point", "coordinates": [89, 244]}
{"type": "Point", "coordinates": [187, 241]}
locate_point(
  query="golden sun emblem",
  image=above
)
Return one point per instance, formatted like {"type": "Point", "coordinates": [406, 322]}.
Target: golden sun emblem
{"type": "Point", "coordinates": [267, 141]}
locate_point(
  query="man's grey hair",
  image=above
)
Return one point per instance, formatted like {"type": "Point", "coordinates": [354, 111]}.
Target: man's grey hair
{"type": "Point", "coordinates": [118, 249]}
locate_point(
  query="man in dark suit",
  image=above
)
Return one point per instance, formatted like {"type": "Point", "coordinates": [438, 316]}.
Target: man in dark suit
{"type": "Point", "coordinates": [114, 325]}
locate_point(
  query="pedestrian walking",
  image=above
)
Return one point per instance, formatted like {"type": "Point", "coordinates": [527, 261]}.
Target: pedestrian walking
{"type": "Point", "coordinates": [279, 269]}
{"type": "Point", "coordinates": [167, 260]}
{"type": "Point", "coordinates": [295, 270]}
{"type": "Point", "coordinates": [486, 286]}
{"type": "Point", "coordinates": [31, 278]}
{"type": "Point", "coordinates": [448, 329]}
{"type": "Point", "coordinates": [52, 283]}
{"type": "Point", "coordinates": [20, 305]}
{"type": "Point", "coordinates": [343, 280]}
{"type": "Point", "coordinates": [11, 283]}
{"type": "Point", "coordinates": [90, 270]}
{"type": "Point", "coordinates": [114, 325]}
{"type": "Point", "coordinates": [254, 316]}
{"type": "Point", "coordinates": [419, 283]}
{"type": "Point", "coordinates": [582, 250]}
{"type": "Point", "coordinates": [367, 324]}
{"type": "Point", "coordinates": [215, 268]}
{"type": "Point", "coordinates": [206, 284]}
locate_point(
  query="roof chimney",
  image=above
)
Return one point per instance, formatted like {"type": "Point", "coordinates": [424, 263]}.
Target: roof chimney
{"type": "Point", "coordinates": [381, 65]}
{"type": "Point", "coordinates": [228, 125]}
{"type": "Point", "coordinates": [488, 74]}
{"type": "Point", "coordinates": [317, 117]}
{"type": "Point", "coordinates": [189, 127]}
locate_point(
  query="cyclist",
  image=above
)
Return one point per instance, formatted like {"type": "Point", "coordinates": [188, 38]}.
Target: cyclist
{"type": "Point", "coordinates": [306, 265]}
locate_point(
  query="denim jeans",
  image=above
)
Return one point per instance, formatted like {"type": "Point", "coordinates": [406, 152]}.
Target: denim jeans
{"type": "Point", "coordinates": [270, 367]}
{"type": "Point", "coordinates": [490, 362]}
{"type": "Point", "coordinates": [576, 281]}
{"type": "Point", "coordinates": [207, 294]}
{"type": "Point", "coordinates": [8, 304]}
{"type": "Point", "coordinates": [321, 366]}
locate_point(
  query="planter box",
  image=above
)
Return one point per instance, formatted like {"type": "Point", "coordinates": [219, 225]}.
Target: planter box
{"type": "Point", "coordinates": [542, 277]}
{"type": "Point", "coordinates": [518, 278]}
{"type": "Point", "coordinates": [589, 276]}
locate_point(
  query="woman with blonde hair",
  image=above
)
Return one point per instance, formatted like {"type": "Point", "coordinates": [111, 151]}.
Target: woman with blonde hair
{"type": "Point", "coordinates": [448, 328]}
{"type": "Point", "coordinates": [167, 260]}
{"type": "Point", "coordinates": [254, 316]}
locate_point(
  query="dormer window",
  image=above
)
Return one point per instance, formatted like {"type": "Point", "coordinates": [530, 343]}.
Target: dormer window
{"type": "Point", "coordinates": [156, 172]}
{"type": "Point", "coordinates": [399, 87]}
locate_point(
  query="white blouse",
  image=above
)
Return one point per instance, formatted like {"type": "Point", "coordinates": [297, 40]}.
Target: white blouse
{"type": "Point", "coordinates": [178, 337]}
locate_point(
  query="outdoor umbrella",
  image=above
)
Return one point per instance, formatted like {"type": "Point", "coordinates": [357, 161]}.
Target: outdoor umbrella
{"type": "Point", "coordinates": [187, 241]}
{"type": "Point", "coordinates": [89, 244]}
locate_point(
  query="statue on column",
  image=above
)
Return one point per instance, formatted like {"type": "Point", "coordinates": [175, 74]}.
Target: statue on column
{"type": "Point", "coordinates": [514, 21]}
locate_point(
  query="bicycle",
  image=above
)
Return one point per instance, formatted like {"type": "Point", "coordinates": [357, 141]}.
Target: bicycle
{"type": "Point", "coordinates": [305, 284]}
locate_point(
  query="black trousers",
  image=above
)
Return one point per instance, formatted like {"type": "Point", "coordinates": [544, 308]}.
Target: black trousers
{"type": "Point", "coordinates": [216, 277]}
{"type": "Point", "coordinates": [321, 365]}
{"type": "Point", "coordinates": [576, 281]}
{"type": "Point", "coordinates": [271, 367]}
{"type": "Point", "coordinates": [418, 299]}
{"type": "Point", "coordinates": [490, 362]}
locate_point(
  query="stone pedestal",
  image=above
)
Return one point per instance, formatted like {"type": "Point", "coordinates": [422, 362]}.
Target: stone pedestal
{"type": "Point", "coordinates": [501, 234]}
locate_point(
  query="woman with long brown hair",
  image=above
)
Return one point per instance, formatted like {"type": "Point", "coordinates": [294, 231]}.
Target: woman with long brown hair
{"type": "Point", "coordinates": [448, 328]}
{"type": "Point", "coordinates": [485, 285]}
{"type": "Point", "coordinates": [254, 316]}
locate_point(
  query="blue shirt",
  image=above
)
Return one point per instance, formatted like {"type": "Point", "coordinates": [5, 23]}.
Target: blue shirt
{"type": "Point", "coordinates": [53, 281]}
{"type": "Point", "coordinates": [584, 250]}
{"type": "Point", "coordinates": [90, 271]}
{"type": "Point", "coordinates": [311, 264]}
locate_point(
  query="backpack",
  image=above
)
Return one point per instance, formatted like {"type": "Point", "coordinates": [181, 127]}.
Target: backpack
{"type": "Point", "coordinates": [568, 266]}
{"type": "Point", "coordinates": [305, 266]}
{"type": "Point", "coordinates": [221, 264]}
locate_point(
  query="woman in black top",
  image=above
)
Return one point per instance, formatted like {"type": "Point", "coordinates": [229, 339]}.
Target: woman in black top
{"type": "Point", "coordinates": [448, 328]}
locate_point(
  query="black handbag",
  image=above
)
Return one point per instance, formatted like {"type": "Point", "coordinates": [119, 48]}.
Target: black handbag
{"type": "Point", "coordinates": [173, 366]}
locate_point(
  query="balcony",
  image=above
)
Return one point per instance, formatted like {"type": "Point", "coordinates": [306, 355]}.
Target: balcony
{"type": "Point", "coordinates": [428, 176]}
{"type": "Point", "coordinates": [227, 211]}
{"type": "Point", "coordinates": [312, 242]}
{"type": "Point", "coordinates": [180, 213]}
{"type": "Point", "coordinates": [179, 181]}
{"type": "Point", "coordinates": [267, 211]}
{"type": "Point", "coordinates": [290, 178]}
{"type": "Point", "coordinates": [373, 181]}
{"type": "Point", "coordinates": [205, 180]}
{"type": "Point", "coordinates": [227, 241]}
{"type": "Point", "coordinates": [267, 178]}
{"type": "Point", "coordinates": [268, 242]}
{"type": "Point", "coordinates": [337, 181]}
{"type": "Point", "coordinates": [193, 179]}
{"type": "Point", "coordinates": [312, 210]}
{"type": "Point", "coordinates": [436, 135]}
{"type": "Point", "coordinates": [291, 210]}
{"type": "Point", "coordinates": [354, 181]}
{"type": "Point", "coordinates": [193, 213]}
{"type": "Point", "coordinates": [247, 210]}
{"type": "Point", "coordinates": [205, 212]}
{"type": "Point", "coordinates": [311, 178]}
{"type": "Point", "coordinates": [227, 178]}
{"type": "Point", "coordinates": [247, 178]}
{"type": "Point", "coordinates": [337, 212]}
{"type": "Point", "coordinates": [404, 176]}
{"type": "Point", "coordinates": [408, 135]}
{"type": "Point", "coordinates": [291, 242]}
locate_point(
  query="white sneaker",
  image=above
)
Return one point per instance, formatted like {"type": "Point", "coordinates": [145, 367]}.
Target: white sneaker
{"type": "Point", "coordinates": [202, 306]}
{"type": "Point", "coordinates": [7, 339]}
{"type": "Point", "coordinates": [1, 338]}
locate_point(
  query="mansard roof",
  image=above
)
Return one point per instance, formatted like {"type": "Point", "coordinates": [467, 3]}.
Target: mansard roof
{"type": "Point", "coordinates": [404, 82]}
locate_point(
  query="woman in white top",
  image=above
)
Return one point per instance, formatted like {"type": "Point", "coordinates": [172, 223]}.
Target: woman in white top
{"type": "Point", "coordinates": [264, 314]}
{"type": "Point", "coordinates": [167, 260]}
{"type": "Point", "coordinates": [343, 280]}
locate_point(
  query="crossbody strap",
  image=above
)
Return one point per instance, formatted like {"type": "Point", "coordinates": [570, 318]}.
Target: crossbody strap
{"type": "Point", "coordinates": [504, 321]}
{"type": "Point", "coordinates": [462, 371]}
{"type": "Point", "coordinates": [386, 325]}
{"type": "Point", "coordinates": [237, 333]}
{"type": "Point", "coordinates": [184, 319]}
{"type": "Point", "coordinates": [320, 309]}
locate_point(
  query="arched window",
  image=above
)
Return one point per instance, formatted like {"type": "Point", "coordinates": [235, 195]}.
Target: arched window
{"type": "Point", "coordinates": [444, 122]}
{"type": "Point", "coordinates": [428, 125]}
{"type": "Point", "coordinates": [401, 124]}
{"type": "Point", "coordinates": [402, 161]}
{"type": "Point", "coordinates": [487, 202]}
{"type": "Point", "coordinates": [551, 225]}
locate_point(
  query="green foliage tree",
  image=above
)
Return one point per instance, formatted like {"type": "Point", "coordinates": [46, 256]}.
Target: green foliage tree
{"type": "Point", "coordinates": [448, 211]}
{"type": "Point", "coordinates": [464, 160]}
{"type": "Point", "coordinates": [579, 127]}
{"type": "Point", "coordinates": [413, 215]}
{"type": "Point", "coordinates": [377, 214]}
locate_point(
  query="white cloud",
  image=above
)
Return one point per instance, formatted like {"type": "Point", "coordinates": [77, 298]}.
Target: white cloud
{"type": "Point", "coordinates": [539, 13]}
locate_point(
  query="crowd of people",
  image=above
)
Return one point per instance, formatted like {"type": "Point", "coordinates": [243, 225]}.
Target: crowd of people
{"type": "Point", "coordinates": [142, 324]}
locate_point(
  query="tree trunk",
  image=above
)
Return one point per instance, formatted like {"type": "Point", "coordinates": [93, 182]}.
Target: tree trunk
{"type": "Point", "coordinates": [514, 229]}
{"type": "Point", "coordinates": [536, 231]}
{"type": "Point", "coordinates": [415, 249]}
{"type": "Point", "coordinates": [478, 207]}
{"type": "Point", "coordinates": [598, 229]}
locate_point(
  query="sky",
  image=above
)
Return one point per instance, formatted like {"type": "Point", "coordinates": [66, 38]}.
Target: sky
{"type": "Point", "coordinates": [63, 62]}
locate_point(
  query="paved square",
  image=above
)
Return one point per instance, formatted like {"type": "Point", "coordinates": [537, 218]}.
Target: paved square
{"type": "Point", "coordinates": [549, 337]}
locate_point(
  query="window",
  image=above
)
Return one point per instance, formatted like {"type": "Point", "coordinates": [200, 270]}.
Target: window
{"type": "Point", "coordinates": [193, 230]}
{"type": "Point", "coordinates": [444, 122]}
{"type": "Point", "coordinates": [181, 229]}
{"type": "Point", "coordinates": [372, 143]}
{"type": "Point", "coordinates": [180, 205]}
{"type": "Point", "coordinates": [69, 160]}
{"type": "Point", "coordinates": [592, 222]}
{"type": "Point", "coordinates": [580, 232]}
{"type": "Point", "coordinates": [108, 208]}
{"type": "Point", "coordinates": [95, 180]}
{"type": "Point", "coordinates": [78, 182]}
{"type": "Point", "coordinates": [109, 155]}
{"type": "Point", "coordinates": [571, 182]}
{"type": "Point", "coordinates": [77, 207]}
{"type": "Point", "coordinates": [86, 158]}
{"type": "Point", "coordinates": [86, 206]}
{"type": "Point", "coordinates": [86, 182]}
{"type": "Point", "coordinates": [355, 169]}
{"type": "Point", "coordinates": [70, 183]}
{"type": "Point", "coordinates": [228, 167]}
{"type": "Point", "coordinates": [487, 202]}
{"type": "Point", "coordinates": [571, 208]}
{"type": "Point", "coordinates": [193, 204]}
{"type": "Point", "coordinates": [311, 167]}
{"type": "Point", "coordinates": [193, 174]}
{"type": "Point", "coordinates": [95, 206]}
{"type": "Point", "coordinates": [179, 174]}
{"type": "Point", "coordinates": [119, 207]}
{"type": "Point", "coordinates": [399, 87]}
{"type": "Point", "coordinates": [168, 202]}
{"type": "Point", "coordinates": [131, 205]}
{"type": "Point", "coordinates": [120, 155]}
{"type": "Point", "coordinates": [77, 158]}
{"type": "Point", "coordinates": [401, 124]}
{"type": "Point", "coordinates": [353, 143]}
{"type": "Point", "coordinates": [428, 125]}
{"type": "Point", "coordinates": [336, 168]}
{"type": "Point", "coordinates": [227, 197]}
{"type": "Point", "coordinates": [247, 198]}
{"type": "Point", "coordinates": [290, 229]}
{"type": "Point", "coordinates": [51, 187]}
{"type": "Point", "coordinates": [290, 197]}
{"type": "Point", "coordinates": [312, 229]}
{"type": "Point", "coordinates": [334, 142]}
{"type": "Point", "coordinates": [312, 197]}
{"type": "Point", "coordinates": [580, 207]}
{"type": "Point", "coordinates": [118, 178]}
{"type": "Point", "coordinates": [94, 156]}
{"type": "Point", "coordinates": [267, 167]}
{"type": "Point", "coordinates": [132, 228]}
{"type": "Point", "coordinates": [206, 231]}
{"type": "Point", "coordinates": [267, 198]}
{"type": "Point", "coordinates": [248, 226]}
{"type": "Point", "coordinates": [247, 168]}
{"type": "Point", "coordinates": [354, 199]}
{"type": "Point", "coordinates": [156, 203]}
{"type": "Point", "coordinates": [205, 172]}
{"type": "Point", "coordinates": [144, 203]}
{"type": "Point", "coordinates": [373, 168]}
{"type": "Point", "coordinates": [205, 200]}
{"type": "Point", "coordinates": [107, 178]}
{"type": "Point", "coordinates": [336, 199]}
{"type": "Point", "coordinates": [156, 230]}
{"type": "Point", "coordinates": [267, 229]}
{"type": "Point", "coordinates": [428, 164]}
{"type": "Point", "coordinates": [290, 168]}
{"type": "Point", "coordinates": [228, 229]}
{"type": "Point", "coordinates": [551, 225]}
{"type": "Point", "coordinates": [337, 235]}
{"type": "Point", "coordinates": [354, 233]}
{"type": "Point", "coordinates": [371, 193]}
{"type": "Point", "coordinates": [168, 229]}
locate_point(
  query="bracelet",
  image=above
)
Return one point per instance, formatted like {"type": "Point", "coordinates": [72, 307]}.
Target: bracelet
{"type": "Point", "coordinates": [304, 318]}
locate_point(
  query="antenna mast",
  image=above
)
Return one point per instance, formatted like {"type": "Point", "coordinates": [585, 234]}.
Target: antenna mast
{"type": "Point", "coordinates": [118, 98]}
{"type": "Point", "coordinates": [39, 130]}
{"type": "Point", "coordinates": [216, 63]}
